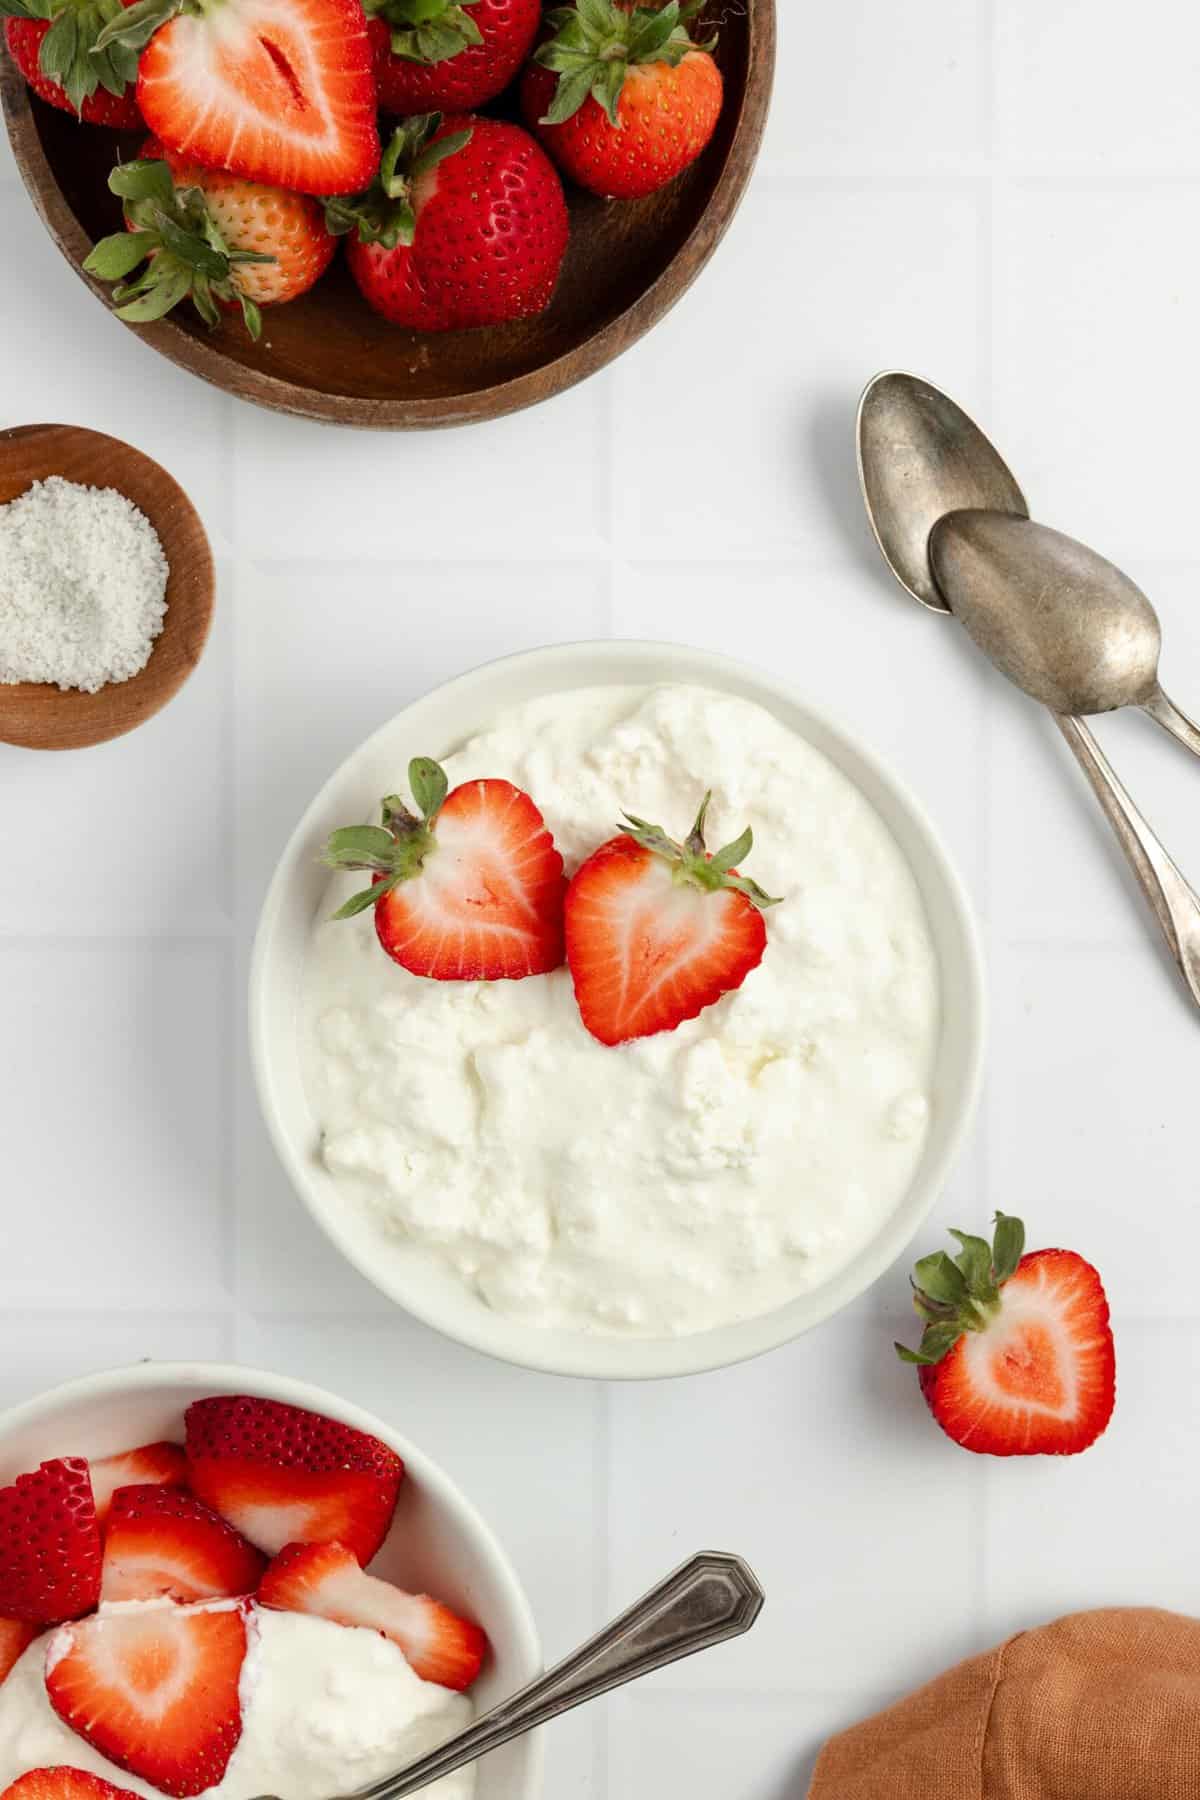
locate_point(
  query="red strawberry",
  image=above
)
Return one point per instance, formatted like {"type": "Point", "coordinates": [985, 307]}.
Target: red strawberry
{"type": "Point", "coordinates": [53, 45]}
{"type": "Point", "coordinates": [325, 1579]}
{"type": "Point", "coordinates": [471, 891]}
{"type": "Point", "coordinates": [204, 235]}
{"type": "Point", "coordinates": [49, 1544]}
{"type": "Point", "coordinates": [621, 96]}
{"type": "Point", "coordinates": [161, 1541]}
{"type": "Point", "coordinates": [151, 1465]}
{"type": "Point", "coordinates": [1017, 1354]}
{"type": "Point", "coordinates": [467, 226]}
{"type": "Point", "coordinates": [439, 55]}
{"type": "Point", "coordinates": [656, 931]}
{"type": "Point", "coordinates": [15, 1638]}
{"type": "Point", "coordinates": [63, 1784]}
{"type": "Point", "coordinates": [154, 1690]}
{"type": "Point", "coordinates": [283, 1475]}
{"type": "Point", "coordinates": [278, 93]}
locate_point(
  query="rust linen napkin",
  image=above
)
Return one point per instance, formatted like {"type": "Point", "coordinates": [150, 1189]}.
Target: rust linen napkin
{"type": "Point", "coordinates": [1098, 1706]}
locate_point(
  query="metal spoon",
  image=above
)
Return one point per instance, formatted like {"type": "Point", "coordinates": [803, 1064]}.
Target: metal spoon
{"type": "Point", "coordinates": [999, 591]}
{"type": "Point", "coordinates": [713, 1597]}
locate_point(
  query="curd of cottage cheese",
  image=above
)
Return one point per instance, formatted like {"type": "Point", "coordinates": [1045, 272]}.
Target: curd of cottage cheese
{"type": "Point", "coordinates": [677, 1182]}
{"type": "Point", "coordinates": [325, 1709]}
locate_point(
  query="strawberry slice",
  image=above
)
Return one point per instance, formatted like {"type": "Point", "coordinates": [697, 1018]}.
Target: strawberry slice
{"type": "Point", "coordinates": [326, 1579]}
{"type": "Point", "coordinates": [281, 93]}
{"type": "Point", "coordinates": [49, 1544]}
{"type": "Point", "coordinates": [154, 1690]}
{"type": "Point", "coordinates": [164, 1542]}
{"type": "Point", "coordinates": [656, 931]}
{"type": "Point", "coordinates": [470, 891]}
{"type": "Point", "coordinates": [15, 1638]}
{"type": "Point", "coordinates": [284, 1476]}
{"type": "Point", "coordinates": [1017, 1354]}
{"type": "Point", "coordinates": [63, 1784]}
{"type": "Point", "coordinates": [150, 1465]}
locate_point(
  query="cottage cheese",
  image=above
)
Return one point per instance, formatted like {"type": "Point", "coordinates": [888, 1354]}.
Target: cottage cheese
{"type": "Point", "coordinates": [685, 1180]}
{"type": "Point", "coordinates": [326, 1709]}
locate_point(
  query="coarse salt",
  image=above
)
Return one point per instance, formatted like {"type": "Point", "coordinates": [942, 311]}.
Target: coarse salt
{"type": "Point", "coordinates": [83, 580]}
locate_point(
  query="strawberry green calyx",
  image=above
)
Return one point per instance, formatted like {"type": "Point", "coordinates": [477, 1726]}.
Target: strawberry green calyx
{"type": "Point", "coordinates": [595, 43]}
{"type": "Point", "coordinates": [175, 236]}
{"type": "Point", "coordinates": [691, 864]}
{"type": "Point", "coordinates": [953, 1295]}
{"type": "Point", "coordinates": [385, 214]}
{"type": "Point", "coordinates": [427, 31]}
{"type": "Point", "coordinates": [396, 849]}
{"type": "Point", "coordinates": [70, 52]}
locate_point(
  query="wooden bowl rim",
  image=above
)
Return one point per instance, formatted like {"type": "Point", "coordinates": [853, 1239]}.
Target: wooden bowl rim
{"type": "Point", "coordinates": [495, 402]}
{"type": "Point", "coordinates": [108, 714]}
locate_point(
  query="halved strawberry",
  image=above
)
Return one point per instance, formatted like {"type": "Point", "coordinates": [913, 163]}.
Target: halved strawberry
{"type": "Point", "coordinates": [15, 1638]}
{"type": "Point", "coordinates": [656, 931]}
{"type": "Point", "coordinates": [326, 1579]}
{"type": "Point", "coordinates": [155, 1690]}
{"type": "Point", "coordinates": [49, 1544]}
{"type": "Point", "coordinates": [283, 1475]}
{"type": "Point", "coordinates": [1017, 1354]}
{"type": "Point", "coordinates": [161, 1541]}
{"type": "Point", "coordinates": [470, 891]}
{"type": "Point", "coordinates": [150, 1465]}
{"type": "Point", "coordinates": [278, 93]}
{"type": "Point", "coordinates": [63, 1784]}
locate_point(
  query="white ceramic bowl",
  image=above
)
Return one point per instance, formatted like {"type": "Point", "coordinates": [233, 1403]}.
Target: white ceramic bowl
{"type": "Point", "coordinates": [438, 724]}
{"type": "Point", "coordinates": [438, 1543]}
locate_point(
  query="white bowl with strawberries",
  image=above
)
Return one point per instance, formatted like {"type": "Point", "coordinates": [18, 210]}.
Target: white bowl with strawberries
{"type": "Point", "coordinates": [585, 1088]}
{"type": "Point", "coordinates": [214, 1580]}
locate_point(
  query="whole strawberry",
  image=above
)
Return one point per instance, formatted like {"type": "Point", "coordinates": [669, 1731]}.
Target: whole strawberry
{"type": "Point", "coordinates": [622, 97]}
{"type": "Point", "coordinates": [466, 226]}
{"type": "Point", "coordinates": [210, 237]}
{"type": "Point", "coordinates": [437, 55]}
{"type": "Point", "coordinates": [1016, 1358]}
{"type": "Point", "coordinates": [53, 43]}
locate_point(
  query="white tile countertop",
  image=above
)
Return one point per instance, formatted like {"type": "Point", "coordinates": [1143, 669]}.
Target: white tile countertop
{"type": "Point", "coordinates": [1001, 196]}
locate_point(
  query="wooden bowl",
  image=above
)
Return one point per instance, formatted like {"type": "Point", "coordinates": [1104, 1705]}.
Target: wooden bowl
{"type": "Point", "coordinates": [327, 356]}
{"type": "Point", "coordinates": [41, 716]}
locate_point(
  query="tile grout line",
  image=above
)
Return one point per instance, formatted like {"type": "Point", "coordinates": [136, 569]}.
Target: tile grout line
{"type": "Point", "coordinates": [602, 1579]}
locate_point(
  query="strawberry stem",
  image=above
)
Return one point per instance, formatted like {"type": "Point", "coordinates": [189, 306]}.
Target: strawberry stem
{"type": "Point", "coordinates": [594, 43]}
{"type": "Point", "coordinates": [397, 849]}
{"type": "Point", "coordinates": [955, 1295]}
{"type": "Point", "coordinates": [691, 864]}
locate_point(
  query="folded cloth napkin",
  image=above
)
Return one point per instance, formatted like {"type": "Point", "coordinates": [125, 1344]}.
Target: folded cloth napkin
{"type": "Point", "coordinates": [1098, 1706]}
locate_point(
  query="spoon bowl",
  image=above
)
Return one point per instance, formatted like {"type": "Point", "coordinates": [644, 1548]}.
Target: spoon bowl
{"type": "Point", "coordinates": [919, 457]}
{"type": "Point", "coordinates": [1053, 616]}
{"type": "Point", "coordinates": [41, 716]}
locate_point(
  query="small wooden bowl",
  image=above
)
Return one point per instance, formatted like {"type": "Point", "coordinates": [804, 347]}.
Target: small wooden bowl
{"type": "Point", "coordinates": [39, 715]}
{"type": "Point", "coordinates": [327, 356]}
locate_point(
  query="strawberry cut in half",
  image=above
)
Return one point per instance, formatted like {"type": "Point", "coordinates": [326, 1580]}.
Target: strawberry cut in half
{"type": "Point", "coordinates": [656, 931]}
{"type": "Point", "coordinates": [280, 93]}
{"type": "Point", "coordinates": [63, 1784]}
{"type": "Point", "coordinates": [472, 890]}
{"type": "Point", "coordinates": [282, 1475]}
{"type": "Point", "coordinates": [163, 1542]}
{"type": "Point", "coordinates": [1016, 1358]}
{"type": "Point", "coordinates": [154, 1690]}
{"type": "Point", "coordinates": [15, 1638]}
{"type": "Point", "coordinates": [326, 1579]}
{"type": "Point", "coordinates": [150, 1465]}
{"type": "Point", "coordinates": [49, 1544]}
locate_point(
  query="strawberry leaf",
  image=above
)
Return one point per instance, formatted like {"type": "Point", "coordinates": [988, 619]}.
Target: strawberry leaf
{"type": "Point", "coordinates": [427, 779]}
{"type": "Point", "coordinates": [359, 847]}
{"type": "Point", "coordinates": [117, 256]}
{"type": "Point", "coordinates": [428, 31]}
{"type": "Point", "coordinates": [936, 1343]}
{"type": "Point", "coordinates": [974, 1259]}
{"type": "Point", "coordinates": [134, 26]}
{"type": "Point", "coordinates": [941, 1279]}
{"type": "Point", "coordinates": [358, 903]}
{"type": "Point", "coordinates": [593, 44]}
{"type": "Point", "coordinates": [1008, 1246]}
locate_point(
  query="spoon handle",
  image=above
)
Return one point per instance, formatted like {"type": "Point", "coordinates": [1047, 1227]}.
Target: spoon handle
{"type": "Point", "coordinates": [711, 1598]}
{"type": "Point", "coordinates": [1176, 906]}
{"type": "Point", "coordinates": [1164, 712]}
